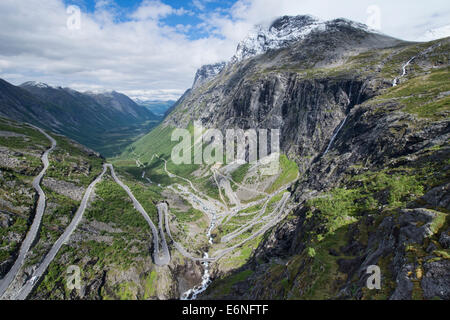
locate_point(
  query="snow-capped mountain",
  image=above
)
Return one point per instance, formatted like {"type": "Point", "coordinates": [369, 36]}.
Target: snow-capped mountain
{"type": "Point", "coordinates": [283, 32]}
{"type": "Point", "coordinates": [36, 84]}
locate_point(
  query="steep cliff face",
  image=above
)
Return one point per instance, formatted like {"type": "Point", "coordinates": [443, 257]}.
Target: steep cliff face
{"type": "Point", "coordinates": [379, 196]}
{"type": "Point", "coordinates": [207, 72]}
{"type": "Point", "coordinates": [373, 161]}
{"type": "Point", "coordinates": [305, 89]}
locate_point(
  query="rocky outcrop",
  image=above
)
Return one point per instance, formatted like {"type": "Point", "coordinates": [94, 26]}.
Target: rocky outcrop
{"type": "Point", "coordinates": [65, 188]}
{"type": "Point", "coordinates": [206, 73]}
{"type": "Point", "coordinates": [436, 280]}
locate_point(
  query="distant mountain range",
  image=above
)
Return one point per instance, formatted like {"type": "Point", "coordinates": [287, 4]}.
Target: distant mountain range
{"type": "Point", "coordinates": [158, 107]}
{"type": "Point", "coordinates": [101, 121]}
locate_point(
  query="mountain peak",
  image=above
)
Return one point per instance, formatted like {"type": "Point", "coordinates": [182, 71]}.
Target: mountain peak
{"type": "Point", "coordinates": [35, 84]}
{"type": "Point", "coordinates": [290, 22]}
{"type": "Point", "coordinates": [284, 31]}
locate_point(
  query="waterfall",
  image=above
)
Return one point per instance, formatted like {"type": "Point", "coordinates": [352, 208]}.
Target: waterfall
{"type": "Point", "coordinates": [335, 135]}
{"type": "Point", "coordinates": [395, 82]}
{"type": "Point", "coordinates": [192, 294]}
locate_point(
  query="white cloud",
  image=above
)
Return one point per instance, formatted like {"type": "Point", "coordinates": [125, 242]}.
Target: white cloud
{"type": "Point", "coordinates": [162, 94]}
{"type": "Point", "coordinates": [198, 4]}
{"type": "Point", "coordinates": [142, 56]}
{"type": "Point", "coordinates": [403, 19]}
{"type": "Point", "coordinates": [151, 9]}
{"type": "Point", "coordinates": [437, 33]}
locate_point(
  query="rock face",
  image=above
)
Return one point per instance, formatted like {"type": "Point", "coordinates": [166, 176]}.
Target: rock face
{"type": "Point", "coordinates": [65, 188]}
{"type": "Point", "coordinates": [263, 92]}
{"type": "Point", "coordinates": [436, 282]}
{"type": "Point", "coordinates": [368, 200]}
{"type": "Point", "coordinates": [207, 72]}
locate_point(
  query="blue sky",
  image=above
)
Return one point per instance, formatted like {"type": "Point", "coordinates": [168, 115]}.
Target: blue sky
{"type": "Point", "coordinates": [196, 11]}
{"type": "Point", "coordinates": [152, 48]}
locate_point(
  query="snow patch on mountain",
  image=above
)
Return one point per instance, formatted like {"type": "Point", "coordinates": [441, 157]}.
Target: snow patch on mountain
{"type": "Point", "coordinates": [284, 31]}
{"type": "Point", "coordinates": [36, 84]}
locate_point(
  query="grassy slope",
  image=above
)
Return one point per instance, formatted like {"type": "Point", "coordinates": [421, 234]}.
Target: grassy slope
{"type": "Point", "coordinates": [68, 163]}
{"type": "Point", "coordinates": [125, 245]}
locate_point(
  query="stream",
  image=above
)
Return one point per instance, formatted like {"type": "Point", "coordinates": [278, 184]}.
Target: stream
{"type": "Point", "coordinates": [192, 294]}
{"type": "Point", "coordinates": [395, 82]}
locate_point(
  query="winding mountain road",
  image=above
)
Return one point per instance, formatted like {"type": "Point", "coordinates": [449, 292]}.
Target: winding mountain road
{"type": "Point", "coordinates": [161, 258]}
{"type": "Point", "coordinates": [28, 287]}
{"type": "Point", "coordinates": [280, 216]}
{"type": "Point", "coordinates": [164, 209]}
{"type": "Point", "coordinates": [240, 185]}
{"type": "Point", "coordinates": [171, 175]}
{"type": "Point", "coordinates": [34, 229]}
{"type": "Point", "coordinates": [247, 226]}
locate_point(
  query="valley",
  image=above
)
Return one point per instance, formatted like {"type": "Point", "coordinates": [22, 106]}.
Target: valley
{"type": "Point", "coordinates": [106, 122]}
{"type": "Point", "coordinates": [363, 178]}
{"type": "Point", "coordinates": [21, 280]}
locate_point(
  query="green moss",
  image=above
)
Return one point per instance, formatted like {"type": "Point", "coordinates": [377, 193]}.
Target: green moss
{"type": "Point", "coordinates": [322, 279]}
{"type": "Point", "coordinates": [422, 95]}
{"type": "Point", "coordinates": [438, 222]}
{"type": "Point", "coordinates": [150, 285]}
{"type": "Point", "coordinates": [285, 284]}
{"type": "Point", "coordinates": [401, 187]}
{"type": "Point", "coordinates": [338, 207]}
{"type": "Point", "coordinates": [239, 174]}
{"type": "Point", "coordinates": [126, 291]}
{"type": "Point", "coordinates": [225, 285]}
{"type": "Point", "coordinates": [311, 252]}
{"type": "Point", "coordinates": [289, 172]}
{"type": "Point", "coordinates": [445, 254]}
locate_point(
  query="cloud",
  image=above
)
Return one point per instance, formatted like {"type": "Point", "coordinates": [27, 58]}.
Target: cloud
{"type": "Point", "coordinates": [151, 9]}
{"type": "Point", "coordinates": [136, 51]}
{"type": "Point", "coordinates": [138, 54]}
{"type": "Point", "coordinates": [400, 18]}
{"type": "Point", "coordinates": [436, 33]}
{"type": "Point", "coordinates": [161, 94]}
{"type": "Point", "coordinates": [198, 4]}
